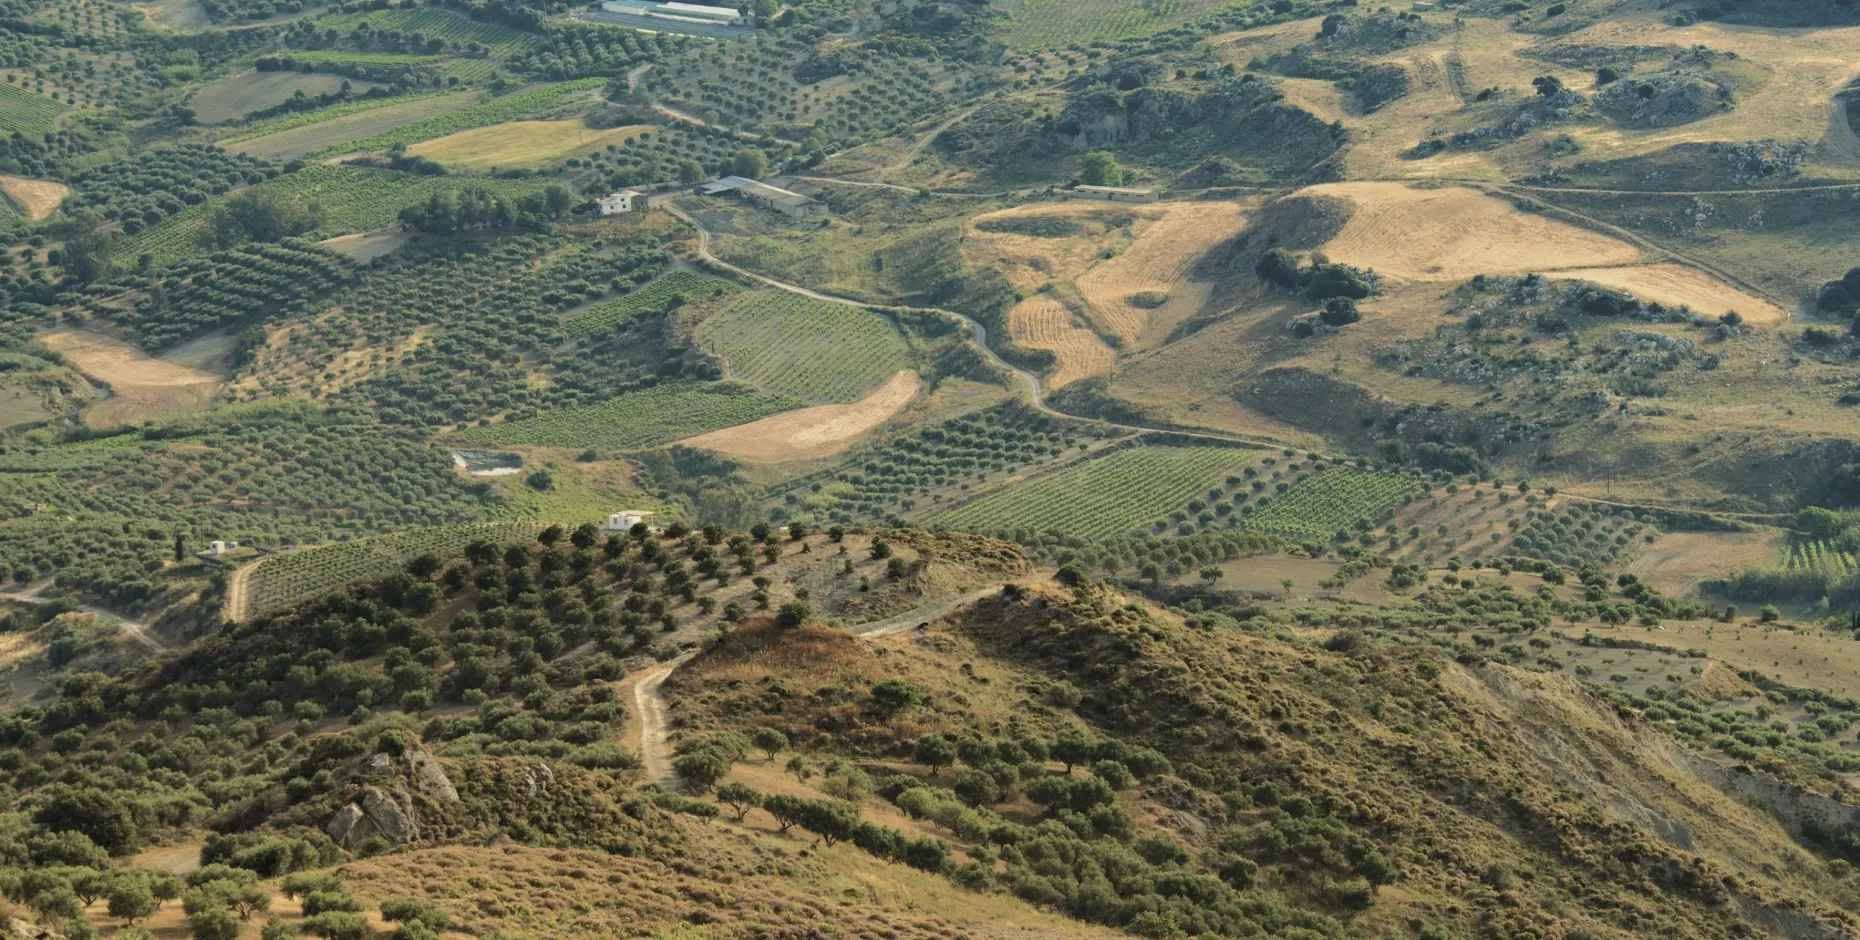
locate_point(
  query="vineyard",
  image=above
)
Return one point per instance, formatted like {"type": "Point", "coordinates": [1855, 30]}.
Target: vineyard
{"type": "Point", "coordinates": [496, 111]}
{"type": "Point", "coordinates": [280, 581]}
{"type": "Point", "coordinates": [655, 296]}
{"type": "Point", "coordinates": [1112, 495]}
{"type": "Point", "coordinates": [350, 199]}
{"type": "Point", "coordinates": [1045, 24]}
{"type": "Point", "coordinates": [807, 348]}
{"type": "Point", "coordinates": [885, 479]}
{"type": "Point", "coordinates": [23, 112]}
{"type": "Point", "coordinates": [1339, 499]}
{"type": "Point", "coordinates": [640, 420]}
{"type": "Point", "coordinates": [456, 30]}
{"type": "Point", "coordinates": [1821, 556]}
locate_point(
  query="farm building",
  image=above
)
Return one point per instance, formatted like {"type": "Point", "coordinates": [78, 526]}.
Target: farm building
{"type": "Point", "coordinates": [622, 202]}
{"type": "Point", "coordinates": [1111, 194]}
{"type": "Point", "coordinates": [791, 204]}
{"type": "Point", "coordinates": [218, 547]}
{"type": "Point", "coordinates": [676, 11]}
{"type": "Point", "coordinates": [624, 520]}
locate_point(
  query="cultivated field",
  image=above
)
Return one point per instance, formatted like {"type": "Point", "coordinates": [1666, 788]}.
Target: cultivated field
{"type": "Point", "coordinates": [806, 348]}
{"type": "Point", "coordinates": [1112, 495]}
{"type": "Point", "coordinates": [23, 112]}
{"type": "Point", "coordinates": [642, 419]}
{"type": "Point", "coordinates": [1045, 24]}
{"type": "Point", "coordinates": [812, 433]}
{"type": "Point", "coordinates": [238, 95]}
{"type": "Point", "coordinates": [1041, 322]}
{"type": "Point", "coordinates": [1338, 498]}
{"type": "Point", "coordinates": [520, 143]}
{"type": "Point", "coordinates": [1453, 233]}
{"type": "Point", "coordinates": [456, 30]}
{"type": "Point", "coordinates": [1143, 293]}
{"type": "Point", "coordinates": [35, 199]}
{"type": "Point", "coordinates": [484, 114]}
{"type": "Point", "coordinates": [141, 388]}
{"type": "Point", "coordinates": [279, 581]}
{"type": "Point", "coordinates": [352, 199]}
{"type": "Point", "coordinates": [302, 136]}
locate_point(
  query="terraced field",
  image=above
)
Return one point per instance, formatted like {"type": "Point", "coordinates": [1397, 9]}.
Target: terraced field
{"type": "Point", "coordinates": [1112, 495]}
{"type": "Point", "coordinates": [806, 348]}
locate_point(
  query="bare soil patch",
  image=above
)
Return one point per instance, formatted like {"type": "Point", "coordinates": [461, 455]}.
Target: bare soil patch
{"type": "Point", "coordinates": [812, 433]}
{"type": "Point", "coordinates": [1455, 232]}
{"type": "Point", "coordinates": [142, 387]}
{"type": "Point", "coordinates": [367, 247]}
{"type": "Point", "coordinates": [1676, 285]}
{"type": "Point", "coordinates": [35, 198]}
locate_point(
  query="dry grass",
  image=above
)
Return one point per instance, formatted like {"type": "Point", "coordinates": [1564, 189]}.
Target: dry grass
{"type": "Point", "coordinates": [1158, 261]}
{"type": "Point", "coordinates": [1041, 322]}
{"type": "Point", "coordinates": [812, 433]}
{"type": "Point", "coordinates": [520, 143]}
{"type": "Point", "coordinates": [1453, 233]}
{"type": "Point", "coordinates": [1677, 561]}
{"type": "Point", "coordinates": [1676, 285]}
{"type": "Point", "coordinates": [142, 388]}
{"type": "Point", "coordinates": [36, 199]}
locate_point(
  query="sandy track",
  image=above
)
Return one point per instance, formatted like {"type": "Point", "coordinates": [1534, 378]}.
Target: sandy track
{"type": "Point", "coordinates": [812, 433]}
{"type": "Point", "coordinates": [1677, 285]}
{"type": "Point", "coordinates": [652, 709]}
{"type": "Point", "coordinates": [1455, 232]}
{"type": "Point", "coordinates": [142, 387]}
{"type": "Point", "coordinates": [1040, 322]}
{"type": "Point", "coordinates": [1158, 260]}
{"type": "Point", "coordinates": [37, 198]}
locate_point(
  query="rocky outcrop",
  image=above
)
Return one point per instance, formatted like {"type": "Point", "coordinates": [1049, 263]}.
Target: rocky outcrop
{"type": "Point", "coordinates": [1663, 100]}
{"type": "Point", "coordinates": [375, 812]}
{"type": "Point", "coordinates": [387, 806]}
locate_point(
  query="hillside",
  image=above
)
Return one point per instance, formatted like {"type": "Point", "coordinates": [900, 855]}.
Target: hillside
{"type": "Point", "coordinates": [1006, 469]}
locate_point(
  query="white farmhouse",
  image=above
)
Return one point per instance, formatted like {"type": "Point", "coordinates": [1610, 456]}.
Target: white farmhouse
{"type": "Point", "coordinates": [622, 202]}
{"type": "Point", "coordinates": [219, 547]}
{"type": "Point", "coordinates": [624, 520]}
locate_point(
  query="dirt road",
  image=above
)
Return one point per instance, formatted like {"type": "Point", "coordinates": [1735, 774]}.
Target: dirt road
{"type": "Point", "coordinates": [135, 628]}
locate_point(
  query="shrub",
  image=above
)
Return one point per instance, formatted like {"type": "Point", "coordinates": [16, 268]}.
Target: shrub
{"type": "Point", "coordinates": [1338, 311]}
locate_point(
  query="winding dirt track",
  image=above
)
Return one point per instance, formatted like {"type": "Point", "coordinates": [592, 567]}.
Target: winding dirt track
{"type": "Point", "coordinates": [652, 705]}
{"type": "Point", "coordinates": [135, 628]}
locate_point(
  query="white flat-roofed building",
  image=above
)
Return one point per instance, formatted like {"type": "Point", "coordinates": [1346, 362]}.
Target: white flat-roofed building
{"type": "Point", "coordinates": [1111, 194]}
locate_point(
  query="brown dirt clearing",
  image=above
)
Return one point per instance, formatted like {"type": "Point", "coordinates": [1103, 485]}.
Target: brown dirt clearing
{"type": "Point", "coordinates": [812, 433]}
{"type": "Point", "coordinates": [142, 387]}
{"type": "Point", "coordinates": [36, 198]}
